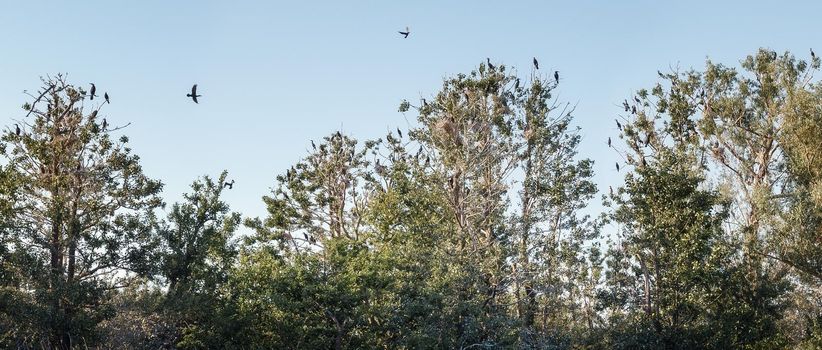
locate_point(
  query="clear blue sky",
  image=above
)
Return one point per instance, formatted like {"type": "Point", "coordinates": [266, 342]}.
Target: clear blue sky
{"type": "Point", "coordinates": [275, 75]}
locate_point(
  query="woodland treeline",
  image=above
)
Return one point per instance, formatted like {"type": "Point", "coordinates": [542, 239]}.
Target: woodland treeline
{"type": "Point", "coordinates": [469, 231]}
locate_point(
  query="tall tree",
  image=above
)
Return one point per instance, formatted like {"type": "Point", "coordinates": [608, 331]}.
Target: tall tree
{"type": "Point", "coordinates": [82, 211]}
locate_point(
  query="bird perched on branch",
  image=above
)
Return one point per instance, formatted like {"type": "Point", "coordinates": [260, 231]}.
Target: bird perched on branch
{"type": "Point", "coordinates": [490, 66]}
{"type": "Point", "coordinates": [105, 96]}
{"type": "Point", "coordinates": [17, 129]}
{"type": "Point", "coordinates": [193, 93]}
{"type": "Point", "coordinates": [92, 91]}
{"type": "Point", "coordinates": [556, 75]}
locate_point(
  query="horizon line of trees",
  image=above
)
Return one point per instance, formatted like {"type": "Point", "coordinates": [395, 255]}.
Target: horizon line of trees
{"type": "Point", "coordinates": [465, 232]}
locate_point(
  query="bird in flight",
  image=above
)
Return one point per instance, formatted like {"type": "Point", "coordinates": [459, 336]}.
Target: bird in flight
{"type": "Point", "coordinates": [193, 93]}
{"type": "Point", "coordinates": [105, 95]}
{"type": "Point", "coordinates": [93, 91]}
{"type": "Point", "coordinates": [230, 185]}
{"type": "Point", "coordinates": [536, 63]}
{"type": "Point", "coordinates": [405, 33]}
{"type": "Point", "coordinates": [556, 75]}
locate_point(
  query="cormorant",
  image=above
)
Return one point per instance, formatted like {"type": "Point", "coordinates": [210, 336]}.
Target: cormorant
{"type": "Point", "coordinates": [230, 185]}
{"type": "Point", "coordinates": [536, 63]}
{"type": "Point", "coordinates": [405, 33]}
{"type": "Point", "coordinates": [193, 93]}
{"type": "Point", "coordinates": [105, 95]}
{"type": "Point", "coordinates": [93, 91]}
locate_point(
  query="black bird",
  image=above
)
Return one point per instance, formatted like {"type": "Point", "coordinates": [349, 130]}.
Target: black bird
{"type": "Point", "coordinates": [16, 129]}
{"type": "Point", "coordinates": [93, 91]}
{"type": "Point", "coordinates": [556, 75]}
{"type": "Point", "coordinates": [193, 93]}
{"type": "Point", "coordinates": [536, 63]}
{"type": "Point", "coordinates": [636, 99]}
{"type": "Point", "coordinates": [424, 103]}
{"type": "Point", "coordinates": [105, 95]}
{"type": "Point", "coordinates": [105, 123]}
{"type": "Point", "coordinates": [490, 66]}
{"type": "Point", "coordinates": [619, 126]}
{"type": "Point", "coordinates": [399, 132]}
{"type": "Point", "coordinates": [625, 104]}
{"type": "Point", "coordinates": [230, 185]}
{"type": "Point", "coordinates": [611, 190]}
{"type": "Point", "coordinates": [813, 54]}
{"type": "Point", "coordinates": [617, 164]}
{"type": "Point", "coordinates": [305, 236]}
{"type": "Point", "coordinates": [405, 33]}
{"type": "Point", "coordinates": [633, 109]}
{"type": "Point", "coordinates": [516, 85]}
{"type": "Point", "coordinates": [609, 142]}
{"type": "Point", "coordinates": [313, 145]}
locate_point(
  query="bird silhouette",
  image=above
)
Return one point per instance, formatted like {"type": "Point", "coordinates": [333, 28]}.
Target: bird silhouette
{"type": "Point", "coordinates": [609, 142]}
{"type": "Point", "coordinates": [617, 166]}
{"type": "Point", "coordinates": [105, 96]}
{"type": "Point", "coordinates": [637, 99]}
{"type": "Point", "coordinates": [230, 185]}
{"type": "Point", "coordinates": [516, 85]}
{"type": "Point", "coordinates": [556, 75]}
{"type": "Point", "coordinates": [813, 54]}
{"type": "Point", "coordinates": [625, 105]}
{"type": "Point", "coordinates": [105, 123]}
{"type": "Point", "coordinates": [633, 109]}
{"type": "Point", "coordinates": [619, 126]}
{"type": "Point", "coordinates": [193, 93]}
{"type": "Point", "coordinates": [490, 66]}
{"type": "Point", "coordinates": [92, 92]}
{"type": "Point", "coordinates": [536, 63]}
{"type": "Point", "coordinates": [405, 33]}
{"type": "Point", "coordinates": [313, 145]}
{"type": "Point", "coordinates": [399, 132]}
{"type": "Point", "coordinates": [16, 129]}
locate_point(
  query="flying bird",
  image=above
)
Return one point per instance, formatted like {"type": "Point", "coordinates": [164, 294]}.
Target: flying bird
{"type": "Point", "coordinates": [536, 63]}
{"type": "Point", "coordinates": [93, 91]}
{"type": "Point", "coordinates": [193, 93]}
{"type": "Point", "coordinates": [556, 75]}
{"type": "Point", "coordinates": [405, 33]}
{"type": "Point", "coordinates": [105, 96]}
{"type": "Point", "coordinates": [230, 185]}
{"type": "Point", "coordinates": [17, 129]}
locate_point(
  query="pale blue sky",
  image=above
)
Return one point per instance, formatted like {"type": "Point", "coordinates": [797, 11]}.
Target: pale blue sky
{"type": "Point", "coordinates": [274, 75]}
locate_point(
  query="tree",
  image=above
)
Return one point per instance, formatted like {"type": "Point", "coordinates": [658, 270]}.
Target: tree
{"type": "Point", "coordinates": [82, 212]}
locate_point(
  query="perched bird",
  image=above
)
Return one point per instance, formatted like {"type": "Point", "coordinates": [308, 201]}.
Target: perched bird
{"type": "Point", "coordinates": [230, 185]}
{"type": "Point", "coordinates": [633, 109]}
{"type": "Point", "coordinates": [105, 123]}
{"type": "Point", "coordinates": [637, 99]}
{"type": "Point", "coordinates": [193, 93]}
{"type": "Point", "coordinates": [813, 54]}
{"type": "Point", "coordinates": [424, 103]}
{"type": "Point", "coordinates": [536, 63]}
{"type": "Point", "coordinates": [399, 132]}
{"type": "Point", "coordinates": [16, 129]}
{"type": "Point", "coordinates": [611, 190]}
{"type": "Point", "coordinates": [313, 145]}
{"type": "Point", "coordinates": [105, 96]}
{"type": "Point", "coordinates": [490, 66]}
{"type": "Point", "coordinates": [609, 142]}
{"type": "Point", "coordinates": [617, 166]}
{"type": "Point", "coordinates": [305, 236]}
{"type": "Point", "coordinates": [619, 126]}
{"type": "Point", "coordinates": [556, 75]}
{"type": "Point", "coordinates": [405, 33]}
{"type": "Point", "coordinates": [92, 92]}
{"type": "Point", "coordinates": [625, 104]}
{"type": "Point", "coordinates": [516, 85]}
